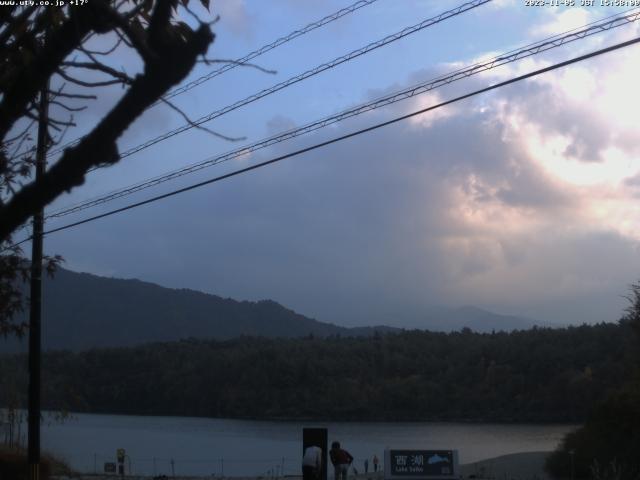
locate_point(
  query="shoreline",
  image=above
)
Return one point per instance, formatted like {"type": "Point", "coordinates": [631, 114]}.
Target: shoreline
{"type": "Point", "coordinates": [377, 419]}
{"type": "Point", "coordinates": [514, 466]}
{"type": "Point", "coordinates": [315, 420]}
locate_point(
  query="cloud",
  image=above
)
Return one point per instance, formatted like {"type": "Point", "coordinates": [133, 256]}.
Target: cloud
{"type": "Point", "coordinates": [503, 4]}
{"type": "Point", "coordinates": [447, 211]}
{"type": "Point", "coordinates": [235, 16]}
{"type": "Point", "coordinates": [522, 201]}
{"type": "Point", "coordinates": [554, 23]}
{"type": "Point", "coordinates": [633, 181]}
{"type": "Point", "coordinates": [278, 124]}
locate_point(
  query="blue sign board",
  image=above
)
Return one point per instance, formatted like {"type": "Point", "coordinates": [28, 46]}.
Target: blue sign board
{"type": "Point", "coordinates": [420, 464]}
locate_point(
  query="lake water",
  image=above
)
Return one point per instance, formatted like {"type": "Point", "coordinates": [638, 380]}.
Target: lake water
{"type": "Point", "coordinates": [203, 446]}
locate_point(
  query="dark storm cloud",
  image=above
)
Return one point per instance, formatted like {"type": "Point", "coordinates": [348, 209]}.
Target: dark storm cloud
{"type": "Point", "coordinates": [354, 232]}
{"type": "Point", "coordinates": [447, 209]}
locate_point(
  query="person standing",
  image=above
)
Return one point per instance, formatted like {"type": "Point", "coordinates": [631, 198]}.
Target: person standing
{"type": "Point", "coordinates": [375, 463]}
{"type": "Point", "coordinates": [312, 463]}
{"type": "Point", "coordinates": [341, 459]}
{"type": "Point", "coordinates": [366, 465]}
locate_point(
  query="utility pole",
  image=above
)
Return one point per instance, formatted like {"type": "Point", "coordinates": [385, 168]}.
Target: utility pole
{"type": "Point", "coordinates": [35, 306]}
{"type": "Point", "coordinates": [572, 453]}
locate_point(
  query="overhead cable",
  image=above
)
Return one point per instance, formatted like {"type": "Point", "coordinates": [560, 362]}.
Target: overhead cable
{"type": "Point", "coordinates": [344, 137]}
{"type": "Point", "coordinates": [503, 59]}
{"type": "Point", "coordinates": [264, 49]}
{"type": "Point", "coordinates": [309, 73]}
{"type": "Point", "coordinates": [248, 57]}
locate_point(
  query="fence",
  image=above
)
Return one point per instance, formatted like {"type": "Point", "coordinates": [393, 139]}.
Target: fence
{"type": "Point", "coordinates": [211, 467]}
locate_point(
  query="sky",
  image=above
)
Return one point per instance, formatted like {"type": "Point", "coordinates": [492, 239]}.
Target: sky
{"type": "Point", "coordinates": [522, 201]}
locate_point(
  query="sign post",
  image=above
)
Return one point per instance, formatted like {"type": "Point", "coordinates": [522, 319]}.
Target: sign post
{"type": "Point", "coordinates": [405, 464]}
{"type": "Point", "coordinates": [120, 454]}
{"type": "Point", "coordinates": [317, 437]}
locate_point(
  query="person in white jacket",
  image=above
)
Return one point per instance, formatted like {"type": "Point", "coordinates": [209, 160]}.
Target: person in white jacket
{"type": "Point", "coordinates": [312, 463]}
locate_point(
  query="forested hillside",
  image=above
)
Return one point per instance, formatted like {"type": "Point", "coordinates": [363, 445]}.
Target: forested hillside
{"type": "Point", "coordinates": [83, 311]}
{"type": "Point", "coordinates": [535, 375]}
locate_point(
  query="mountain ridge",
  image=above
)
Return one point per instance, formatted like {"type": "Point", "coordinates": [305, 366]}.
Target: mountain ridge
{"type": "Point", "coordinates": [83, 311]}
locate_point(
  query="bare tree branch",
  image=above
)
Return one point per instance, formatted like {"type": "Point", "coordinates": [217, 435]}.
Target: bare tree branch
{"type": "Point", "coordinates": [123, 38]}
{"type": "Point", "coordinates": [136, 38]}
{"type": "Point", "coordinates": [33, 74]}
{"type": "Point", "coordinates": [17, 136]}
{"type": "Point", "coordinates": [28, 151]}
{"type": "Point", "coordinates": [55, 142]}
{"type": "Point", "coordinates": [14, 23]}
{"type": "Point", "coordinates": [69, 123]}
{"type": "Point", "coordinates": [83, 83]}
{"type": "Point", "coordinates": [105, 52]}
{"type": "Point", "coordinates": [208, 61]}
{"type": "Point", "coordinates": [73, 95]}
{"type": "Point", "coordinates": [67, 107]}
{"type": "Point", "coordinates": [200, 127]}
{"type": "Point", "coordinates": [58, 93]}
{"type": "Point", "coordinates": [95, 65]}
{"type": "Point", "coordinates": [174, 53]}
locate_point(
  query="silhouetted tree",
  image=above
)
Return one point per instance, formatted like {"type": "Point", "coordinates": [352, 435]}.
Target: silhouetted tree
{"type": "Point", "coordinates": [412, 375]}
{"type": "Point", "coordinates": [41, 46]}
{"type": "Point", "coordinates": [632, 316]}
{"type": "Point", "coordinates": [607, 445]}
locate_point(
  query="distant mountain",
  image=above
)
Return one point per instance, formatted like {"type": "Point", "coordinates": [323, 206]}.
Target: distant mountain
{"type": "Point", "coordinates": [82, 311]}
{"type": "Point", "coordinates": [477, 319]}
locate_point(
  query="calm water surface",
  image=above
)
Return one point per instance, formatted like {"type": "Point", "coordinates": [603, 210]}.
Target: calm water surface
{"type": "Point", "coordinates": [202, 446]}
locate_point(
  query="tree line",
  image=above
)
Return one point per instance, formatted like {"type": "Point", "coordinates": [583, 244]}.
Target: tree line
{"type": "Point", "coordinates": [538, 375]}
{"type": "Point", "coordinates": [607, 444]}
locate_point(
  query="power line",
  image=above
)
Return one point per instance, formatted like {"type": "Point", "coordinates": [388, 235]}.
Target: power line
{"type": "Point", "coordinates": [309, 73]}
{"type": "Point", "coordinates": [509, 57]}
{"type": "Point", "coordinates": [249, 56]}
{"type": "Point", "coordinates": [344, 137]}
{"type": "Point", "coordinates": [270, 46]}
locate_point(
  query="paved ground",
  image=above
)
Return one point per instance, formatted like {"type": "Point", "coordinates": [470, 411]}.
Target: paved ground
{"type": "Point", "coordinates": [519, 466]}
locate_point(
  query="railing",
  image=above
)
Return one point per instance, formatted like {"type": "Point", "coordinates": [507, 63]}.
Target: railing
{"type": "Point", "coordinates": [268, 468]}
